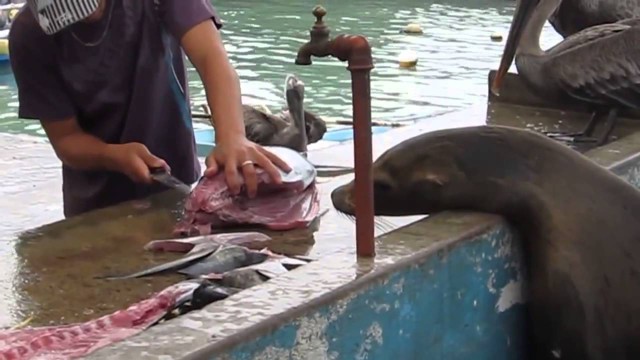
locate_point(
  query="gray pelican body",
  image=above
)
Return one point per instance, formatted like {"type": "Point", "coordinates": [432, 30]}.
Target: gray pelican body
{"type": "Point", "coordinates": [294, 127]}
{"type": "Point", "coordinates": [599, 65]}
{"type": "Point", "coordinates": [573, 16]}
{"type": "Point", "coordinates": [265, 128]}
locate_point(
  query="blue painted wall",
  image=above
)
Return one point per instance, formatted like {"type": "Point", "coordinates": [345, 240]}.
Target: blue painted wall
{"type": "Point", "coordinates": [456, 304]}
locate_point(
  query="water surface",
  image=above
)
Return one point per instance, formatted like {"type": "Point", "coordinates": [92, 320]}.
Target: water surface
{"type": "Point", "coordinates": [262, 38]}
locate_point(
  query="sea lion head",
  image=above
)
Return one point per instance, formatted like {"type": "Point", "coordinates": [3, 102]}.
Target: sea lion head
{"type": "Point", "coordinates": [473, 168]}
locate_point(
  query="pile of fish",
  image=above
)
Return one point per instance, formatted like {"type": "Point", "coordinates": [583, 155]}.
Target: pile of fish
{"type": "Point", "coordinates": [224, 264]}
{"type": "Point", "coordinates": [292, 204]}
{"type": "Point", "coordinates": [217, 266]}
{"type": "Point", "coordinates": [220, 257]}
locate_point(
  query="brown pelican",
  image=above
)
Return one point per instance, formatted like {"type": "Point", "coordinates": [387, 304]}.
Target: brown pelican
{"type": "Point", "coordinates": [294, 127]}
{"type": "Point", "coordinates": [599, 65]}
{"type": "Point", "coordinates": [573, 16]}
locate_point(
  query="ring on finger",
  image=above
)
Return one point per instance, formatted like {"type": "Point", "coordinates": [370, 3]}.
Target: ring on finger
{"type": "Point", "coordinates": [248, 162]}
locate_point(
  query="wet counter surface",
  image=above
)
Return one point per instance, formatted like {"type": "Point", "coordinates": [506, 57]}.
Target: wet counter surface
{"type": "Point", "coordinates": [49, 271]}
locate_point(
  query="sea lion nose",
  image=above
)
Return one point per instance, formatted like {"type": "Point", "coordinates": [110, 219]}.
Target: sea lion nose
{"type": "Point", "coordinates": [340, 197]}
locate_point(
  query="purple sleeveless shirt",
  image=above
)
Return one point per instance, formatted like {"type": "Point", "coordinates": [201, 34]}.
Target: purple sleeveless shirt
{"type": "Point", "coordinates": [129, 87]}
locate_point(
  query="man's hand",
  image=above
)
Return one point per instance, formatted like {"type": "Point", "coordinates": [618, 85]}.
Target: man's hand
{"type": "Point", "coordinates": [80, 150]}
{"type": "Point", "coordinates": [240, 155]}
{"type": "Point", "coordinates": [233, 152]}
{"type": "Point", "coordinates": [133, 160]}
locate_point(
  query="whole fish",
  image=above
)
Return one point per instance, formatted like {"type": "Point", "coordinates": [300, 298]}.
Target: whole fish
{"type": "Point", "coordinates": [287, 262]}
{"type": "Point", "coordinates": [269, 268]}
{"type": "Point", "coordinates": [170, 266]}
{"type": "Point", "coordinates": [290, 205]}
{"type": "Point", "coordinates": [242, 278]}
{"type": "Point", "coordinates": [251, 240]}
{"type": "Point", "coordinates": [205, 293]}
{"type": "Point", "coordinates": [208, 293]}
{"type": "Point", "coordinates": [224, 259]}
{"type": "Point", "coordinates": [248, 276]}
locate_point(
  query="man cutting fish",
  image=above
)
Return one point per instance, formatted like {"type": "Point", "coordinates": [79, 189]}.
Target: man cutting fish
{"type": "Point", "coordinates": [107, 81]}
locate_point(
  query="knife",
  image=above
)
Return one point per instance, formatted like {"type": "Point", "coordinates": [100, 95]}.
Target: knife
{"type": "Point", "coordinates": [162, 176]}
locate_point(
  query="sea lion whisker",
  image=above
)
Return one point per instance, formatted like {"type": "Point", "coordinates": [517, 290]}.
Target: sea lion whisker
{"type": "Point", "coordinates": [381, 227]}
{"type": "Point", "coordinates": [383, 224]}
{"type": "Point", "coordinates": [347, 216]}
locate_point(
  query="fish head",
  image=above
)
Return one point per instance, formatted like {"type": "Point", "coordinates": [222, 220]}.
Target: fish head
{"type": "Point", "coordinates": [302, 173]}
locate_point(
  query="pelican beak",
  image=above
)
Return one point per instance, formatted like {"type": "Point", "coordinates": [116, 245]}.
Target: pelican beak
{"type": "Point", "coordinates": [291, 82]}
{"type": "Point", "coordinates": [524, 10]}
{"type": "Point", "coordinates": [293, 89]}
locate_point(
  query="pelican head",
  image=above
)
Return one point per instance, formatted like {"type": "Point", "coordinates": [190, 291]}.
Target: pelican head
{"type": "Point", "coordinates": [522, 15]}
{"type": "Point", "coordinates": [294, 93]}
{"type": "Point", "coordinates": [293, 90]}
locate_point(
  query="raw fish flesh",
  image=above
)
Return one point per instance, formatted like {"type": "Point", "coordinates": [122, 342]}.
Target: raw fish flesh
{"type": "Point", "coordinates": [293, 204]}
{"type": "Point", "coordinates": [78, 340]}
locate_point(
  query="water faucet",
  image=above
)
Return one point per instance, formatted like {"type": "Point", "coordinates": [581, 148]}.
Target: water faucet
{"type": "Point", "coordinates": [355, 50]}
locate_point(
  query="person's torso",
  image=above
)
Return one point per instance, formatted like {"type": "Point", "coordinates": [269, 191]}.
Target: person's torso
{"type": "Point", "coordinates": [127, 80]}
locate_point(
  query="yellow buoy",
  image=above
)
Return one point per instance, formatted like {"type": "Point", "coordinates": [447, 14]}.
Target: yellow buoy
{"type": "Point", "coordinates": [496, 36]}
{"type": "Point", "coordinates": [408, 59]}
{"type": "Point", "coordinates": [4, 47]}
{"type": "Point", "coordinates": [412, 28]}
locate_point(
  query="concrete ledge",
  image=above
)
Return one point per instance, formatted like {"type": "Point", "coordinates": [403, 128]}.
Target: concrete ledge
{"type": "Point", "coordinates": [515, 92]}
{"type": "Point", "coordinates": [419, 296]}
{"type": "Point", "coordinates": [449, 285]}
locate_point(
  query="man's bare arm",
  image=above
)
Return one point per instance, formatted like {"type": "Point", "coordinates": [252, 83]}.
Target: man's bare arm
{"type": "Point", "coordinates": [80, 150]}
{"type": "Point", "coordinates": [74, 147]}
{"type": "Point", "coordinates": [203, 45]}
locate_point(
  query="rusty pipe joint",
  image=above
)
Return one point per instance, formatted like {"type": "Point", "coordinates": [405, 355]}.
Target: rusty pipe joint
{"type": "Point", "coordinates": [354, 49]}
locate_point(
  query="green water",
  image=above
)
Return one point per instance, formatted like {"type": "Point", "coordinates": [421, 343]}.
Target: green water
{"type": "Point", "coordinates": [262, 38]}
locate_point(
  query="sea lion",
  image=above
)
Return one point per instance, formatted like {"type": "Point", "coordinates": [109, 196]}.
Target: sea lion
{"type": "Point", "coordinates": [578, 221]}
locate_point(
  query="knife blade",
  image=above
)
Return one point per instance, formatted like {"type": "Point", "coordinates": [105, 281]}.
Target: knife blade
{"type": "Point", "coordinates": [162, 176]}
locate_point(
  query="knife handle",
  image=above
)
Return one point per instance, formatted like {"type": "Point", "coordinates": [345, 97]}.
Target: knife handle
{"type": "Point", "coordinates": [158, 170]}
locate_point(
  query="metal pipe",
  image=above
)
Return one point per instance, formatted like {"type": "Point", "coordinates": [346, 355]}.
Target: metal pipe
{"type": "Point", "coordinates": [356, 51]}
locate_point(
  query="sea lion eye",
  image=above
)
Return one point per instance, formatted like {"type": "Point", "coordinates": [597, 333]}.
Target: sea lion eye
{"type": "Point", "coordinates": [381, 187]}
